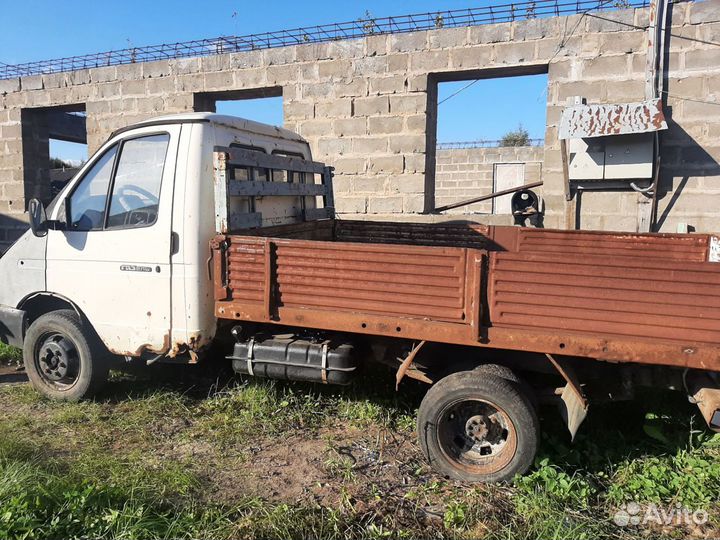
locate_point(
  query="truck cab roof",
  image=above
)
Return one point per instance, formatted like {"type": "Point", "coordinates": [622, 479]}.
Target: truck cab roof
{"type": "Point", "coordinates": [241, 124]}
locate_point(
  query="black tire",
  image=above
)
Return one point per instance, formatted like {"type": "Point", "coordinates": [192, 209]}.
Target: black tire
{"type": "Point", "coordinates": [508, 374]}
{"type": "Point", "coordinates": [63, 358]}
{"type": "Point", "coordinates": [478, 427]}
{"type": "Point", "coordinates": [498, 370]}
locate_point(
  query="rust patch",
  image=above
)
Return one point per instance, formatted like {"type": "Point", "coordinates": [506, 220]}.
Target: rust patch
{"type": "Point", "coordinates": [599, 120]}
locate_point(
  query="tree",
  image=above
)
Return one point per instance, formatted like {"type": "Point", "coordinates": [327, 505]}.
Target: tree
{"type": "Point", "coordinates": [59, 163]}
{"type": "Point", "coordinates": [517, 137]}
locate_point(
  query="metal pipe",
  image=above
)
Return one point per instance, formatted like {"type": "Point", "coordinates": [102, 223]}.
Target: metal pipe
{"type": "Point", "coordinates": [486, 197]}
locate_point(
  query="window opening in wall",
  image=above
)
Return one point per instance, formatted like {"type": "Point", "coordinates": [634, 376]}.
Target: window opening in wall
{"type": "Point", "coordinates": [490, 133]}
{"type": "Point", "coordinates": [263, 105]}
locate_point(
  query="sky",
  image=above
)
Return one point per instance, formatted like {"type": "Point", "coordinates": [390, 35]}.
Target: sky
{"type": "Point", "coordinates": [43, 29]}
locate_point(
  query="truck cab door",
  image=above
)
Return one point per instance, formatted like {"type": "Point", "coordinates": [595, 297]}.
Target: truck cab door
{"type": "Point", "coordinates": [113, 257]}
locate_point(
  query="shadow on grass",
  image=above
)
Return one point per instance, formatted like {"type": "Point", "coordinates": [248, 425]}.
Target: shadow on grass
{"type": "Point", "coordinates": [655, 423]}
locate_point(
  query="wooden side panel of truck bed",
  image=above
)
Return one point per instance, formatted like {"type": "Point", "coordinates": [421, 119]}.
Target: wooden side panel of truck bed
{"type": "Point", "coordinates": [614, 296]}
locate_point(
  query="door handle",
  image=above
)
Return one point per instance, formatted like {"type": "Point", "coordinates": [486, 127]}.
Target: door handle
{"type": "Point", "coordinates": [174, 243]}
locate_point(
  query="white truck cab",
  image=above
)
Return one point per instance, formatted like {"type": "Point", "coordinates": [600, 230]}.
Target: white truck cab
{"type": "Point", "coordinates": [124, 246]}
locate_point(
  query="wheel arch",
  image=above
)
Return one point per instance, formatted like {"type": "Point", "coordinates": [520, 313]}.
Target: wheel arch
{"type": "Point", "coordinates": [42, 302]}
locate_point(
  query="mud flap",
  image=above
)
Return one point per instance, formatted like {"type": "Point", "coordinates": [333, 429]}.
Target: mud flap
{"type": "Point", "coordinates": [573, 409]}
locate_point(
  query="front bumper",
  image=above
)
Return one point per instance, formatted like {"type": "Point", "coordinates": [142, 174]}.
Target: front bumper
{"type": "Point", "coordinates": [13, 323]}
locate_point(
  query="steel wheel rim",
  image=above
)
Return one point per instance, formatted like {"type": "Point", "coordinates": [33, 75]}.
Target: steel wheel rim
{"type": "Point", "coordinates": [477, 436]}
{"type": "Point", "coordinates": [57, 360]}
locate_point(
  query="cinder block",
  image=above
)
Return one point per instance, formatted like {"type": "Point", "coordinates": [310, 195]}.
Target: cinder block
{"type": "Point", "coordinates": [392, 164]}
{"type": "Point", "coordinates": [357, 87]}
{"type": "Point", "coordinates": [102, 74]}
{"type": "Point", "coordinates": [81, 76]}
{"type": "Point", "coordinates": [413, 204]}
{"type": "Point", "coordinates": [417, 83]}
{"type": "Point", "coordinates": [385, 205]}
{"type": "Point", "coordinates": [315, 127]}
{"type": "Point", "coordinates": [161, 85]}
{"type": "Point", "coordinates": [133, 88]}
{"type": "Point", "coordinates": [350, 205]}
{"type": "Point", "coordinates": [701, 60]}
{"type": "Point", "coordinates": [9, 85]}
{"type": "Point", "coordinates": [490, 33]}
{"type": "Point", "coordinates": [408, 183]}
{"type": "Point", "coordinates": [369, 184]}
{"type": "Point", "coordinates": [220, 80]}
{"type": "Point", "coordinates": [416, 123]}
{"type": "Point", "coordinates": [338, 108]}
{"type": "Point", "coordinates": [606, 67]}
{"type": "Point", "coordinates": [413, 41]}
{"type": "Point", "coordinates": [350, 127]}
{"type": "Point", "coordinates": [129, 72]}
{"type": "Point", "coordinates": [623, 42]}
{"type": "Point", "coordinates": [534, 29]}
{"type": "Point", "coordinates": [371, 66]}
{"type": "Point", "coordinates": [385, 124]}
{"type": "Point", "coordinates": [245, 59]}
{"type": "Point", "coordinates": [106, 90]}
{"type": "Point", "coordinates": [334, 146]}
{"type": "Point", "coordinates": [350, 165]}
{"type": "Point", "coordinates": [371, 106]}
{"type": "Point", "coordinates": [251, 78]}
{"type": "Point", "coordinates": [33, 82]}
{"type": "Point", "coordinates": [387, 85]}
{"type": "Point", "coordinates": [369, 145]}
{"type": "Point", "coordinates": [408, 103]}
{"type": "Point", "coordinates": [312, 52]}
{"type": "Point", "coordinates": [472, 57]}
{"type": "Point", "coordinates": [704, 12]}
{"type": "Point", "coordinates": [424, 61]}
{"type": "Point", "coordinates": [282, 74]}
{"type": "Point", "coordinates": [398, 63]}
{"type": "Point", "coordinates": [347, 48]}
{"type": "Point", "coordinates": [447, 38]}
{"type": "Point", "coordinates": [625, 91]}
{"type": "Point", "coordinates": [279, 55]}
{"type": "Point", "coordinates": [514, 53]}
{"type": "Point", "coordinates": [183, 66]}
{"type": "Point", "coordinates": [376, 45]}
{"type": "Point", "coordinates": [317, 91]}
{"type": "Point", "coordinates": [334, 69]}
{"type": "Point", "coordinates": [299, 110]}
{"type": "Point", "coordinates": [611, 21]}
{"type": "Point", "coordinates": [52, 80]}
{"type": "Point", "coordinates": [407, 144]}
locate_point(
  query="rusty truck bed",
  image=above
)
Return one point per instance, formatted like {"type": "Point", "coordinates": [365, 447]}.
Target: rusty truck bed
{"type": "Point", "coordinates": [646, 298]}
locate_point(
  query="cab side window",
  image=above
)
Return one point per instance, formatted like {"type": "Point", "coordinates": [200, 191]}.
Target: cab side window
{"type": "Point", "coordinates": [88, 201]}
{"type": "Point", "coordinates": [136, 186]}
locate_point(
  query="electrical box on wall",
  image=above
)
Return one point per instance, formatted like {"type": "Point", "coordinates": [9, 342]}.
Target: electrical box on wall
{"type": "Point", "coordinates": [613, 157]}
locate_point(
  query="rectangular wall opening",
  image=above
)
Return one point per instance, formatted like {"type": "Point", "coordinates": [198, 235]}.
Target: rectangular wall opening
{"type": "Point", "coordinates": [54, 147]}
{"type": "Point", "coordinates": [488, 136]}
{"type": "Point", "coordinates": [261, 105]}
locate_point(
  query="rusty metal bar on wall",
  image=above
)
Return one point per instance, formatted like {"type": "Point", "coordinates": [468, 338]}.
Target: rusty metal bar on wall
{"type": "Point", "coordinates": [488, 196]}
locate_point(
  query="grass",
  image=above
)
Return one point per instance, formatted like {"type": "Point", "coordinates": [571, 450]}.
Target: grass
{"type": "Point", "coordinates": [265, 459]}
{"type": "Point", "coordinates": [10, 355]}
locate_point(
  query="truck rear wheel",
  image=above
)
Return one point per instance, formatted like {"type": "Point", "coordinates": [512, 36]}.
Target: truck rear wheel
{"type": "Point", "coordinates": [478, 427]}
{"type": "Point", "coordinates": [63, 359]}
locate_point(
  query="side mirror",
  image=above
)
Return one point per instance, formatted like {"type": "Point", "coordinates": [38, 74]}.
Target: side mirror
{"type": "Point", "coordinates": [38, 218]}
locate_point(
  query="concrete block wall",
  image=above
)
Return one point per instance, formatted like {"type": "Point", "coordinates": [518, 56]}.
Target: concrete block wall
{"type": "Point", "coordinates": [367, 106]}
{"type": "Point", "coordinates": [464, 173]}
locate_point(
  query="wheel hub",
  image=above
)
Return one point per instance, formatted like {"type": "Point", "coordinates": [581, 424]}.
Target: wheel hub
{"type": "Point", "coordinates": [56, 355]}
{"type": "Point", "coordinates": [477, 427]}
{"type": "Point", "coordinates": [482, 428]}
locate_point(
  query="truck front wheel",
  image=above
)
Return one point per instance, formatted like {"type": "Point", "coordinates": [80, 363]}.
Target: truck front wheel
{"type": "Point", "coordinates": [63, 359]}
{"type": "Point", "coordinates": [478, 427]}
